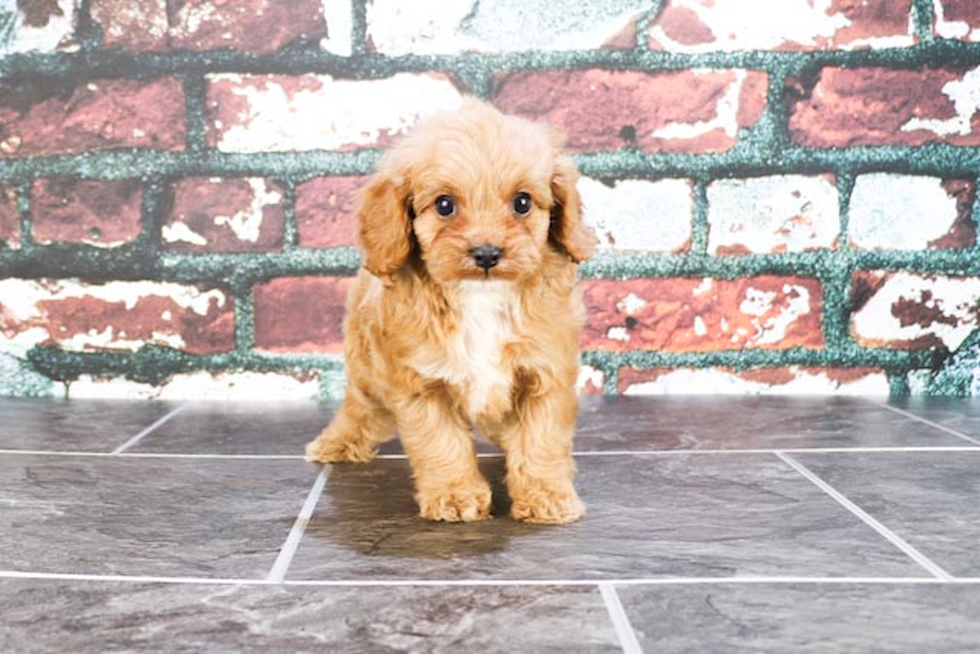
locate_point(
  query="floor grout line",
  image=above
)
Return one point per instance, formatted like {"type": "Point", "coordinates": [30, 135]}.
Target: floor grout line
{"type": "Point", "coordinates": [896, 540]}
{"type": "Point", "coordinates": [592, 583]}
{"type": "Point", "coordinates": [277, 573]}
{"type": "Point", "coordinates": [926, 421]}
{"type": "Point", "coordinates": [582, 454]}
{"type": "Point", "coordinates": [149, 430]}
{"type": "Point", "coordinates": [621, 621]}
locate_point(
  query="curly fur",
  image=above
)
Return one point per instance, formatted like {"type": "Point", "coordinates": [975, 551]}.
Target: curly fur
{"type": "Point", "coordinates": [436, 344]}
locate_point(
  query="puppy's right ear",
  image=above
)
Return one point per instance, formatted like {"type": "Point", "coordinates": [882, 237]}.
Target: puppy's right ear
{"type": "Point", "coordinates": [384, 219]}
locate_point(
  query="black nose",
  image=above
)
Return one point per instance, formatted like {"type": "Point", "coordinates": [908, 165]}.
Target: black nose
{"type": "Point", "coordinates": [486, 256]}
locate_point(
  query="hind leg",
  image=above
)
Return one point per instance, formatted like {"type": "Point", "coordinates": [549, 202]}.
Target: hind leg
{"type": "Point", "coordinates": [355, 432]}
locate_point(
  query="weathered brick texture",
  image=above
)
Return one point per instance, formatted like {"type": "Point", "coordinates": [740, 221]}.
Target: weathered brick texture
{"type": "Point", "coordinates": [671, 111]}
{"type": "Point", "coordinates": [796, 380]}
{"type": "Point", "coordinates": [114, 317]}
{"type": "Point", "coordinates": [225, 215]}
{"type": "Point", "coordinates": [783, 191]}
{"type": "Point", "coordinates": [300, 314]}
{"type": "Point", "coordinates": [38, 118]}
{"type": "Point", "coordinates": [326, 211]}
{"type": "Point", "coordinates": [957, 19]}
{"type": "Point", "coordinates": [906, 310]}
{"type": "Point", "coordinates": [639, 215]}
{"type": "Point", "coordinates": [908, 212]}
{"type": "Point", "coordinates": [703, 315]}
{"type": "Point", "coordinates": [729, 25]}
{"type": "Point", "coordinates": [397, 28]}
{"type": "Point", "coordinates": [307, 112]}
{"type": "Point", "coordinates": [99, 213]}
{"type": "Point", "coordinates": [879, 106]}
{"type": "Point", "coordinates": [783, 213]}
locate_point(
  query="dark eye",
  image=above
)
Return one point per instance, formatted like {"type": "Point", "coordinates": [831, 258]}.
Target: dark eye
{"type": "Point", "coordinates": [522, 204]}
{"type": "Point", "coordinates": [445, 206]}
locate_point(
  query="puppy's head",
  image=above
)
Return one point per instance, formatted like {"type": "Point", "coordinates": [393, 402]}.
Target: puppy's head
{"type": "Point", "coordinates": [476, 195]}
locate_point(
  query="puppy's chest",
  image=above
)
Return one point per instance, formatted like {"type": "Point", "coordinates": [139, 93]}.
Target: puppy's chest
{"type": "Point", "coordinates": [471, 360]}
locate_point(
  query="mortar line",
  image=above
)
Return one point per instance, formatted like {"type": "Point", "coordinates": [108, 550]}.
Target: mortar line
{"type": "Point", "coordinates": [290, 228]}
{"type": "Point", "coordinates": [621, 622]}
{"type": "Point", "coordinates": [25, 222]}
{"type": "Point", "coordinates": [146, 432]}
{"type": "Point", "coordinates": [277, 573]}
{"type": "Point", "coordinates": [926, 421]}
{"type": "Point", "coordinates": [922, 19]}
{"type": "Point", "coordinates": [908, 549]}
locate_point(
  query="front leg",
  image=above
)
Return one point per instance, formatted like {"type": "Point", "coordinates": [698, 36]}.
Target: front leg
{"type": "Point", "coordinates": [442, 454]}
{"type": "Point", "coordinates": [540, 467]}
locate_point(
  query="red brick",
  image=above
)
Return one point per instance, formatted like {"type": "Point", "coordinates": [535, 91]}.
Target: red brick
{"type": "Point", "coordinates": [792, 379]}
{"type": "Point", "coordinates": [670, 111]}
{"type": "Point", "coordinates": [878, 106]}
{"type": "Point", "coordinates": [706, 25]}
{"type": "Point", "coordinates": [9, 217]}
{"type": "Point", "coordinates": [300, 314]}
{"type": "Point", "coordinates": [225, 215]}
{"type": "Point", "coordinates": [96, 212]}
{"type": "Point", "coordinates": [695, 315]}
{"type": "Point", "coordinates": [140, 25]}
{"type": "Point", "coordinates": [41, 119]}
{"type": "Point", "coordinates": [116, 316]}
{"type": "Point", "coordinates": [259, 26]}
{"type": "Point", "coordinates": [326, 211]}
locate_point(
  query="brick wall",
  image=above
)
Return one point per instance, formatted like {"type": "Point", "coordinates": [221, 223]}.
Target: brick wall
{"type": "Point", "coordinates": [784, 190]}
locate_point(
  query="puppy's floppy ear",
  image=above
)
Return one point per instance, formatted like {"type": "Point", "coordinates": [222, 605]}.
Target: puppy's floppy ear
{"type": "Point", "coordinates": [384, 220]}
{"type": "Point", "coordinates": [567, 232]}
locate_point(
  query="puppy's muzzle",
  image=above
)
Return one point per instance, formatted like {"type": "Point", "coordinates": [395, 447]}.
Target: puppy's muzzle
{"type": "Point", "coordinates": [486, 256]}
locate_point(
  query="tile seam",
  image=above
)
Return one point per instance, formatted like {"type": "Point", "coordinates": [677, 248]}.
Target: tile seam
{"type": "Point", "coordinates": [147, 431]}
{"type": "Point", "coordinates": [620, 621]}
{"type": "Point", "coordinates": [926, 421]}
{"type": "Point", "coordinates": [906, 548]}
{"type": "Point", "coordinates": [279, 569]}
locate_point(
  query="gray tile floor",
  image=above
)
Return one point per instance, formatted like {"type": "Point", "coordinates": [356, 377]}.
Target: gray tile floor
{"type": "Point", "coordinates": [756, 524]}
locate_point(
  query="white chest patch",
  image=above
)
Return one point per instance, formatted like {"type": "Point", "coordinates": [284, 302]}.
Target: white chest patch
{"type": "Point", "coordinates": [489, 315]}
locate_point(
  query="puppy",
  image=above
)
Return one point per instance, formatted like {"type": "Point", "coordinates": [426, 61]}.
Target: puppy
{"type": "Point", "coordinates": [465, 314]}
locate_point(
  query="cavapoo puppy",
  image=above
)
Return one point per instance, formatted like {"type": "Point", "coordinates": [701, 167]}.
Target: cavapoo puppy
{"type": "Point", "coordinates": [465, 314]}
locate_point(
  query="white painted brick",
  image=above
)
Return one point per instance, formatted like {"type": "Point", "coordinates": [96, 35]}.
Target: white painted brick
{"type": "Point", "coordinates": [639, 215]}
{"type": "Point", "coordinates": [339, 17]}
{"type": "Point", "coordinates": [899, 212]}
{"type": "Point", "coordinates": [780, 213]}
{"type": "Point", "coordinates": [590, 381]}
{"type": "Point", "coordinates": [319, 112]}
{"type": "Point", "coordinates": [910, 309]}
{"type": "Point", "coordinates": [433, 27]}
{"type": "Point", "coordinates": [57, 35]}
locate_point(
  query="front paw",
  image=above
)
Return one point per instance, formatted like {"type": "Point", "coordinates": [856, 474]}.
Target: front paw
{"type": "Point", "coordinates": [541, 503]}
{"type": "Point", "coordinates": [331, 448]}
{"type": "Point", "coordinates": [459, 504]}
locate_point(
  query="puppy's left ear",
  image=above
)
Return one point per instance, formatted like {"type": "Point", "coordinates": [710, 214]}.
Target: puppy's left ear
{"type": "Point", "coordinates": [567, 232]}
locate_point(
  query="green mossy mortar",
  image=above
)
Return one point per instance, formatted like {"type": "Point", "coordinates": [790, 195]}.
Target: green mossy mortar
{"type": "Point", "coordinates": [764, 149]}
